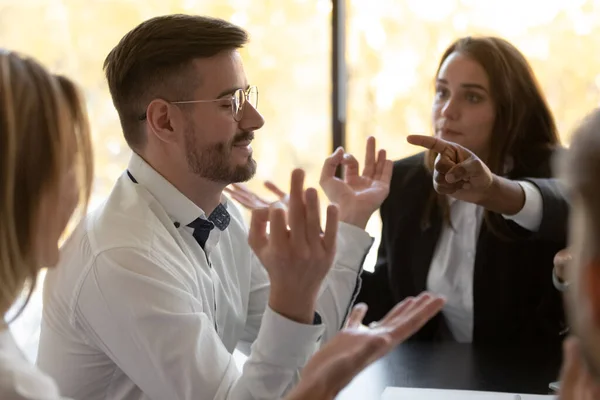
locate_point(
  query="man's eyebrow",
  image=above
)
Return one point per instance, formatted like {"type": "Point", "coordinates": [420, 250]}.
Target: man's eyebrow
{"type": "Point", "coordinates": [231, 91]}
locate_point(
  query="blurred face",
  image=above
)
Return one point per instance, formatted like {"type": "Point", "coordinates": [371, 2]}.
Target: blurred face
{"type": "Point", "coordinates": [56, 209]}
{"type": "Point", "coordinates": [463, 109]}
{"type": "Point", "coordinates": [583, 300]}
{"type": "Point", "coordinates": [218, 147]}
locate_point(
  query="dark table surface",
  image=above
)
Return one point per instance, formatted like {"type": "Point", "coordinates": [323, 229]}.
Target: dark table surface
{"type": "Point", "coordinates": [458, 366]}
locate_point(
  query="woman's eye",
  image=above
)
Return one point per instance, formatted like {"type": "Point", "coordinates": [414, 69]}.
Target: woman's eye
{"type": "Point", "coordinates": [474, 98]}
{"type": "Point", "coordinates": [440, 93]}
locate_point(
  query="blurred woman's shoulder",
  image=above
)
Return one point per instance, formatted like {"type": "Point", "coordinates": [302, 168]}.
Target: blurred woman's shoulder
{"type": "Point", "coordinates": [19, 379]}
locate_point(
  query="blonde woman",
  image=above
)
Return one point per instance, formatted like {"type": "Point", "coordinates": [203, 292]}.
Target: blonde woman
{"type": "Point", "coordinates": [45, 172]}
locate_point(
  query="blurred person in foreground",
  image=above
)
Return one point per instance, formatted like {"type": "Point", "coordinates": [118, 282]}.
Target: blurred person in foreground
{"type": "Point", "coordinates": [580, 169]}
{"type": "Point", "coordinates": [45, 173]}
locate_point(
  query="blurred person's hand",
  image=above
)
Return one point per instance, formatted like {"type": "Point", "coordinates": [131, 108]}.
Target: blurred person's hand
{"type": "Point", "coordinates": [250, 200]}
{"type": "Point", "coordinates": [356, 346]}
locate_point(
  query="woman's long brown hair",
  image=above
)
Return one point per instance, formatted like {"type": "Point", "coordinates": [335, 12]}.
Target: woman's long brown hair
{"type": "Point", "coordinates": [524, 130]}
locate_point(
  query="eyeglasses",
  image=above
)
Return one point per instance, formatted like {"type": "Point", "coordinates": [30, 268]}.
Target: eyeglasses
{"type": "Point", "coordinates": [238, 100]}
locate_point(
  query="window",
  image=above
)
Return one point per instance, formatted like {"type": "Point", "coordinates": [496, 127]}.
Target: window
{"type": "Point", "coordinates": [288, 58]}
{"type": "Point", "coordinates": [393, 49]}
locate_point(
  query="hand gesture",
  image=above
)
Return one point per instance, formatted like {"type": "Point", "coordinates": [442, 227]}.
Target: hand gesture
{"type": "Point", "coordinates": [356, 346]}
{"type": "Point", "coordinates": [247, 198]}
{"type": "Point", "coordinates": [297, 258]}
{"type": "Point", "coordinates": [357, 195]}
{"type": "Point", "coordinates": [458, 172]}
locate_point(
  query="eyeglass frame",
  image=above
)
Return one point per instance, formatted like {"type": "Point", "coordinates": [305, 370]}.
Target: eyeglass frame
{"type": "Point", "coordinates": [245, 96]}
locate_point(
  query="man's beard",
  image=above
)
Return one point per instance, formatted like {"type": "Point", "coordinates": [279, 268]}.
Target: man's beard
{"type": "Point", "coordinates": [213, 162]}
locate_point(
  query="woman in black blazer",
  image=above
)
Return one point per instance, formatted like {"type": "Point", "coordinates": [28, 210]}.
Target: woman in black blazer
{"type": "Point", "coordinates": [492, 260]}
{"type": "Point", "coordinates": [494, 267]}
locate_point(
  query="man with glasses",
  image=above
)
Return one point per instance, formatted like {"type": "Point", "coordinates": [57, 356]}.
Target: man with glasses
{"type": "Point", "coordinates": [160, 284]}
{"type": "Point", "coordinates": [237, 100]}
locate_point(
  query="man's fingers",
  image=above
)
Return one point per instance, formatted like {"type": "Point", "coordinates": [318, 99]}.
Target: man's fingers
{"type": "Point", "coordinates": [350, 166]}
{"type": "Point", "coordinates": [275, 189]}
{"type": "Point", "coordinates": [330, 165]}
{"type": "Point", "coordinates": [238, 187]}
{"type": "Point", "coordinates": [356, 315]}
{"type": "Point", "coordinates": [369, 169]}
{"type": "Point", "coordinates": [238, 197]}
{"type": "Point", "coordinates": [278, 231]}
{"type": "Point", "coordinates": [257, 235]}
{"type": "Point", "coordinates": [388, 169]}
{"type": "Point", "coordinates": [245, 196]}
{"type": "Point", "coordinates": [331, 228]}
{"type": "Point", "coordinates": [398, 309]}
{"type": "Point", "coordinates": [248, 199]}
{"type": "Point", "coordinates": [406, 306]}
{"type": "Point", "coordinates": [381, 163]}
{"type": "Point", "coordinates": [297, 210]}
{"type": "Point", "coordinates": [313, 218]}
{"type": "Point", "coordinates": [404, 326]}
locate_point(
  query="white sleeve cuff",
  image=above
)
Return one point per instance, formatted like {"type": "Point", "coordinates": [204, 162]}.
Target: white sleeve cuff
{"type": "Point", "coordinates": [353, 243]}
{"type": "Point", "coordinates": [530, 216]}
{"type": "Point", "coordinates": [285, 343]}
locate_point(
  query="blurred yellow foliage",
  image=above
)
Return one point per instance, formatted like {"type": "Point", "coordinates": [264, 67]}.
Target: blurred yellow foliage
{"type": "Point", "coordinates": [393, 48]}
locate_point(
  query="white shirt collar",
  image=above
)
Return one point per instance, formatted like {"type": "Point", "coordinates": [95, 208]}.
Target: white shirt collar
{"type": "Point", "coordinates": [179, 208]}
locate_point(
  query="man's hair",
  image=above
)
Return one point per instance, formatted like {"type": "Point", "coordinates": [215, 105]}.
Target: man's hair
{"type": "Point", "coordinates": [154, 60]}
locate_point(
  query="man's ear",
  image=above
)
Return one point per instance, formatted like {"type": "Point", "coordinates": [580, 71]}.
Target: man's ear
{"type": "Point", "coordinates": [163, 119]}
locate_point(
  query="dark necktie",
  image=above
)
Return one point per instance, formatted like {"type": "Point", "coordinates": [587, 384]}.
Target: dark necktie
{"type": "Point", "coordinates": [202, 227]}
